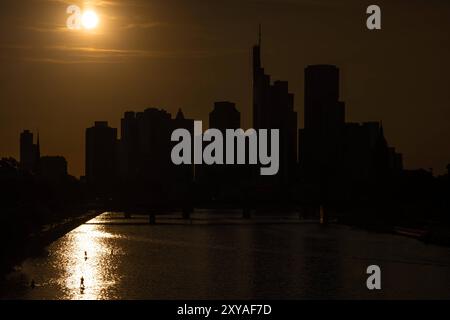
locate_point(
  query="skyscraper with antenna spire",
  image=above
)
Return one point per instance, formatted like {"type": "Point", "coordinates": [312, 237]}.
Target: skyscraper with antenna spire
{"type": "Point", "coordinates": [273, 108]}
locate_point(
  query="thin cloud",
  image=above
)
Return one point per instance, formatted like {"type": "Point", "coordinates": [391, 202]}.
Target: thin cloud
{"type": "Point", "coordinates": [61, 54]}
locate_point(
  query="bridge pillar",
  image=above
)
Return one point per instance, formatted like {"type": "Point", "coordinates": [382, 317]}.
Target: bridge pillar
{"type": "Point", "coordinates": [187, 212]}
{"type": "Point", "coordinates": [152, 218]}
{"type": "Point", "coordinates": [246, 213]}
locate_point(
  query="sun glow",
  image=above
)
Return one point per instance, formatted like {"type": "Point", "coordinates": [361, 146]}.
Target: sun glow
{"type": "Point", "coordinates": [89, 20]}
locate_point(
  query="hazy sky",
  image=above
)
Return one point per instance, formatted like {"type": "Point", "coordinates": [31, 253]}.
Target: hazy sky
{"type": "Point", "coordinates": [188, 54]}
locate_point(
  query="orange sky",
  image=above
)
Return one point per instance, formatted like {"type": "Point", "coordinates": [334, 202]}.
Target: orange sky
{"type": "Point", "coordinates": [190, 53]}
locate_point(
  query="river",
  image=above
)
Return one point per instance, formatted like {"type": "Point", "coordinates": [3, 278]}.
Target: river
{"type": "Point", "coordinates": [219, 255]}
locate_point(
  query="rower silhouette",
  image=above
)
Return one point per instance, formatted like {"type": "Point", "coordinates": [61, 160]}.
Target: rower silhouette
{"type": "Point", "coordinates": [82, 283]}
{"type": "Point", "coordinates": [82, 287]}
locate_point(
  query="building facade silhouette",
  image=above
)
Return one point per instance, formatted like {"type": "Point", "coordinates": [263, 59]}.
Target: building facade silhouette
{"type": "Point", "coordinates": [53, 168]}
{"type": "Point", "coordinates": [273, 108]}
{"type": "Point", "coordinates": [183, 174]}
{"type": "Point", "coordinates": [326, 151]}
{"type": "Point", "coordinates": [321, 140]}
{"type": "Point", "coordinates": [145, 147]}
{"type": "Point", "coordinates": [333, 151]}
{"type": "Point", "coordinates": [30, 153]}
{"type": "Point", "coordinates": [101, 154]}
{"type": "Point", "coordinates": [219, 178]}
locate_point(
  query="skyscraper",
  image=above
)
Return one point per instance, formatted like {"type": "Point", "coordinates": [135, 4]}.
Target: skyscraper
{"type": "Point", "coordinates": [273, 108]}
{"type": "Point", "coordinates": [332, 151]}
{"type": "Point", "coordinates": [183, 174]}
{"type": "Point", "coordinates": [128, 147]}
{"type": "Point", "coordinates": [321, 140]}
{"type": "Point", "coordinates": [145, 147]}
{"type": "Point", "coordinates": [29, 152]}
{"type": "Point", "coordinates": [219, 177]}
{"type": "Point", "coordinates": [154, 132]}
{"type": "Point", "coordinates": [101, 143]}
{"type": "Point", "coordinates": [224, 116]}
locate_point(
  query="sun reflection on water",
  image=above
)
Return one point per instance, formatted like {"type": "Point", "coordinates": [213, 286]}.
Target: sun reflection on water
{"type": "Point", "coordinates": [88, 264]}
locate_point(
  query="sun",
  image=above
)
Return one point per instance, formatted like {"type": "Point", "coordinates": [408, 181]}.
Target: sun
{"type": "Point", "coordinates": [89, 19]}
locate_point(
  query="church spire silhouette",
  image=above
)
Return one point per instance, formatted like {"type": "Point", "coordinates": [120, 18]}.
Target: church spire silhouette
{"type": "Point", "coordinates": [180, 115]}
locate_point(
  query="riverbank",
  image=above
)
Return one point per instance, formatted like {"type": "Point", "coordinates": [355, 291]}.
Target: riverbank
{"type": "Point", "coordinates": [36, 242]}
{"type": "Point", "coordinates": [438, 235]}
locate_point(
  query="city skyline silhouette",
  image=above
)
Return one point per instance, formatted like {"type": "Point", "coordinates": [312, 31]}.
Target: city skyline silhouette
{"type": "Point", "coordinates": [328, 154]}
{"type": "Point", "coordinates": [157, 62]}
{"type": "Point", "coordinates": [328, 75]}
{"type": "Point", "coordinates": [313, 164]}
{"type": "Point", "coordinates": [326, 133]}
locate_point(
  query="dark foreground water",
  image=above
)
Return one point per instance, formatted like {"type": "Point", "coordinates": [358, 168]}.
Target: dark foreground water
{"type": "Point", "coordinates": [220, 256]}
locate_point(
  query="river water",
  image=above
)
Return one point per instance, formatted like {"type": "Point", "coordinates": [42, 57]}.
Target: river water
{"type": "Point", "coordinates": [218, 255]}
